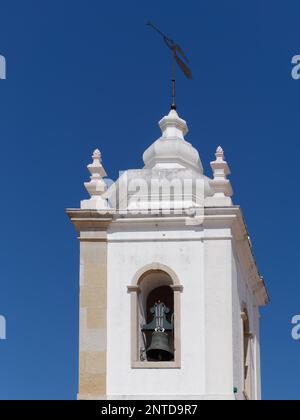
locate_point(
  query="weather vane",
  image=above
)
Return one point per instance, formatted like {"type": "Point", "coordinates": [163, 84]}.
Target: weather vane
{"type": "Point", "coordinates": [175, 48]}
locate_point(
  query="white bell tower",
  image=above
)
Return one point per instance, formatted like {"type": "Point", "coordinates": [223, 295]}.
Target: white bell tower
{"type": "Point", "coordinates": [169, 288]}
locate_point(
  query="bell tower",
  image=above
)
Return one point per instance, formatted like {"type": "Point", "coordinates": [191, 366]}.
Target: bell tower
{"type": "Point", "coordinates": [169, 288]}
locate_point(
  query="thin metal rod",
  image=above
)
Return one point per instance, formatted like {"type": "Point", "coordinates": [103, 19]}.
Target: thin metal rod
{"type": "Point", "coordinates": [156, 29]}
{"type": "Point", "coordinates": [173, 106]}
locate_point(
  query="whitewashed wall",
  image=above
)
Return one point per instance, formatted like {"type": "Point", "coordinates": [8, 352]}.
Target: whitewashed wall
{"type": "Point", "coordinates": [243, 296]}
{"type": "Point", "coordinates": [206, 313]}
{"type": "Point", "coordinates": [124, 260]}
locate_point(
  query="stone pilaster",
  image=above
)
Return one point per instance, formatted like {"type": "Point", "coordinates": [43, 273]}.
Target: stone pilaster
{"type": "Point", "coordinates": [93, 302]}
{"type": "Point", "coordinates": [93, 306]}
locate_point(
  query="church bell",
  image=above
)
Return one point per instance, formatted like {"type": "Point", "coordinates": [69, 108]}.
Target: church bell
{"type": "Point", "coordinates": [159, 349]}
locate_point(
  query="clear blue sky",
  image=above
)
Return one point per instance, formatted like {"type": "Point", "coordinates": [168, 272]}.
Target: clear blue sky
{"type": "Point", "coordinates": [86, 74]}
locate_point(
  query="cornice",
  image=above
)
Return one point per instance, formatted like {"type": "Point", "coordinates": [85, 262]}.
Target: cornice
{"type": "Point", "coordinates": [90, 219]}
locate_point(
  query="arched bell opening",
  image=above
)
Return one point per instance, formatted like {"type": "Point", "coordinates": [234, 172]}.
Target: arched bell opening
{"type": "Point", "coordinates": [155, 296]}
{"type": "Point", "coordinates": [157, 315]}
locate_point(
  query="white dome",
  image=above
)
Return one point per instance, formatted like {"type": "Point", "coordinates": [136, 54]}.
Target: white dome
{"type": "Point", "coordinates": [171, 150]}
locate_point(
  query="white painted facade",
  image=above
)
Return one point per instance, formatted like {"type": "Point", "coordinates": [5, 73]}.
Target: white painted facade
{"type": "Point", "coordinates": [208, 248]}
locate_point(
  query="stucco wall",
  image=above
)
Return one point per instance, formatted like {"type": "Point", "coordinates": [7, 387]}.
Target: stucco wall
{"type": "Point", "coordinates": [124, 260]}
{"type": "Point", "coordinates": [245, 298]}
{"type": "Point", "coordinates": [204, 270]}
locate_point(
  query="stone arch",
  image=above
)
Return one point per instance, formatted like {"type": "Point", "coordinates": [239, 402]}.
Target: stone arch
{"type": "Point", "coordinates": [142, 272]}
{"type": "Point", "coordinates": [139, 289]}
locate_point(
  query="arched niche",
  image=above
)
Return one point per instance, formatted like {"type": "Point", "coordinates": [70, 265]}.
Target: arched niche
{"type": "Point", "coordinates": [153, 282]}
{"type": "Point", "coordinates": [247, 354]}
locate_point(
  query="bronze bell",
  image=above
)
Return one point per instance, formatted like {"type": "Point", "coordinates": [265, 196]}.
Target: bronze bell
{"type": "Point", "coordinates": [159, 349]}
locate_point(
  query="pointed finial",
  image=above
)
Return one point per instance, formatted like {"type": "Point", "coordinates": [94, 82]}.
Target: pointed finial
{"type": "Point", "coordinates": [97, 155]}
{"type": "Point", "coordinates": [219, 152]}
{"type": "Point", "coordinates": [96, 169]}
{"type": "Point", "coordinates": [96, 187]}
{"type": "Point", "coordinates": [220, 184]}
{"type": "Point", "coordinates": [220, 166]}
